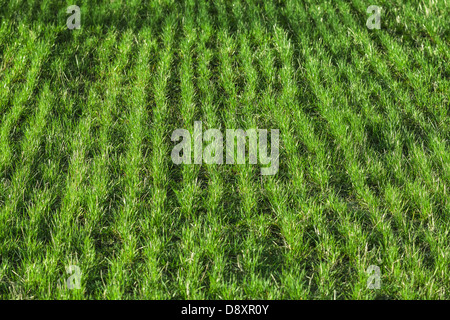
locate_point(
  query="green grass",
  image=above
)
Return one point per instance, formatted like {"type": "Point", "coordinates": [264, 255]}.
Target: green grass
{"type": "Point", "coordinates": [86, 176]}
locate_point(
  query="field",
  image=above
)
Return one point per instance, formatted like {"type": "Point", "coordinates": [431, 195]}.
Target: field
{"type": "Point", "coordinates": [87, 180]}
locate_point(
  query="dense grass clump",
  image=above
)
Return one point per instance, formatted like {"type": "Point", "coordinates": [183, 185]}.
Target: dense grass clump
{"type": "Point", "coordinates": [86, 176]}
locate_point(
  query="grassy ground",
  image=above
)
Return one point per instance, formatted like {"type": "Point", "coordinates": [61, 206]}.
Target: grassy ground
{"type": "Point", "coordinates": [86, 176]}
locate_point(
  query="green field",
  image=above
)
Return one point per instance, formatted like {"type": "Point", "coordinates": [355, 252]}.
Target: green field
{"type": "Point", "coordinates": [86, 176]}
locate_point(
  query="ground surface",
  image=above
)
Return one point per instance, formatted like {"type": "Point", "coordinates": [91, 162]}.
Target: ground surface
{"type": "Point", "coordinates": [86, 177]}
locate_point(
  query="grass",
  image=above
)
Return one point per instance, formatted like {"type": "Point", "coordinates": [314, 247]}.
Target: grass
{"type": "Point", "coordinates": [87, 179]}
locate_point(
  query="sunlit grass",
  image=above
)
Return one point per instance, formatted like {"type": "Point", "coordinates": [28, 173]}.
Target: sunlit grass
{"type": "Point", "coordinates": [86, 176]}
